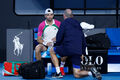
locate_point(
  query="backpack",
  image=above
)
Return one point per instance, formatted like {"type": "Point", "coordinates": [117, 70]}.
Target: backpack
{"type": "Point", "coordinates": [32, 70]}
{"type": "Point", "coordinates": [98, 41]}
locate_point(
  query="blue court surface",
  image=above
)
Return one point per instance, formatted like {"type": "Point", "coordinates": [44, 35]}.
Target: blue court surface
{"type": "Point", "coordinates": [108, 76]}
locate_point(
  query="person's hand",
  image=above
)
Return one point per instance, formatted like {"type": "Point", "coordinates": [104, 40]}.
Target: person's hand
{"type": "Point", "coordinates": [54, 39]}
{"type": "Point", "coordinates": [82, 57]}
{"type": "Point", "coordinates": [49, 44]}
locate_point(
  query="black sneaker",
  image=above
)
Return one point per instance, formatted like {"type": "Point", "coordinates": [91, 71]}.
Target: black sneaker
{"type": "Point", "coordinates": [55, 75]}
{"type": "Point", "coordinates": [96, 74]}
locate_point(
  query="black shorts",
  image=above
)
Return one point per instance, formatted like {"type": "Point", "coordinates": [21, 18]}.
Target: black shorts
{"type": "Point", "coordinates": [75, 59]}
{"type": "Point", "coordinates": [47, 46]}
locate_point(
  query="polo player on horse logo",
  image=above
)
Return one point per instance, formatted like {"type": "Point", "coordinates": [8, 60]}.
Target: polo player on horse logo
{"type": "Point", "coordinates": [17, 45]}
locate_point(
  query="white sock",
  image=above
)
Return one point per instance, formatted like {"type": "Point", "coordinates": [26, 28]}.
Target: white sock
{"type": "Point", "coordinates": [89, 73]}
{"type": "Point", "coordinates": [58, 70]}
{"type": "Point", "coordinates": [62, 64]}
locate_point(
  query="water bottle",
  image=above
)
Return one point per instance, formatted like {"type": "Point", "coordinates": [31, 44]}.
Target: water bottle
{"type": "Point", "coordinates": [49, 69]}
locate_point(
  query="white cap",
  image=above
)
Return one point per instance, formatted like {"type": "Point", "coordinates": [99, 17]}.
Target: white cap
{"type": "Point", "coordinates": [48, 11]}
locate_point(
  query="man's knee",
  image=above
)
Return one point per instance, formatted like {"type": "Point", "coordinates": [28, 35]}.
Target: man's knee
{"type": "Point", "coordinates": [76, 76]}
{"type": "Point", "coordinates": [51, 51]}
{"type": "Point", "coordinates": [76, 73]}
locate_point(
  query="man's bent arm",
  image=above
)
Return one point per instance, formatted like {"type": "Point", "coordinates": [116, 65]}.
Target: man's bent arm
{"type": "Point", "coordinates": [39, 40]}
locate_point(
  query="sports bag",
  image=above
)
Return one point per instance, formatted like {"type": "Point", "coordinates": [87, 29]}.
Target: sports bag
{"type": "Point", "coordinates": [98, 41]}
{"type": "Point", "coordinates": [32, 70]}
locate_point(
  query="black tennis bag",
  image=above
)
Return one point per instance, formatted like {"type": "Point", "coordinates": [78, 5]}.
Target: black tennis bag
{"type": "Point", "coordinates": [98, 41]}
{"type": "Point", "coordinates": [33, 70]}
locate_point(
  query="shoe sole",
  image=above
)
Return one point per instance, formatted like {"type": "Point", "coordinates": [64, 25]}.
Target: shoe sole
{"type": "Point", "coordinates": [58, 77]}
{"type": "Point", "coordinates": [99, 77]}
